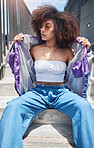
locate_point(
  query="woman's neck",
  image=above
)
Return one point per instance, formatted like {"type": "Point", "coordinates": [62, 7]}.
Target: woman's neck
{"type": "Point", "coordinates": [50, 43]}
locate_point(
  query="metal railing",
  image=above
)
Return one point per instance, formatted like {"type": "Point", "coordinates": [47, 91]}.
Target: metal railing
{"type": "Point", "coordinates": [14, 18]}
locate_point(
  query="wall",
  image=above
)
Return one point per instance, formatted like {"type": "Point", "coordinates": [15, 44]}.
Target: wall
{"type": "Point", "coordinates": [14, 18]}
{"type": "Point", "coordinates": [87, 21]}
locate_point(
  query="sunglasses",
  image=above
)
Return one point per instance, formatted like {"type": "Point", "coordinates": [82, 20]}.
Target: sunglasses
{"type": "Point", "coordinates": [46, 27]}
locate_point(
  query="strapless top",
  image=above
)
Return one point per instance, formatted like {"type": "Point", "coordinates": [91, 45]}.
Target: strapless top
{"type": "Point", "coordinates": [50, 71]}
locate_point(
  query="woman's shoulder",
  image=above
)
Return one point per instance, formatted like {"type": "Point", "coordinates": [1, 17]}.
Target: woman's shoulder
{"type": "Point", "coordinates": [69, 54]}
{"type": "Point", "coordinates": [35, 49]}
{"type": "Point", "coordinates": [37, 46]}
{"type": "Point", "coordinates": [69, 50]}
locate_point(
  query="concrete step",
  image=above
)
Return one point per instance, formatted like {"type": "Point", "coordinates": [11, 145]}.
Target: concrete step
{"type": "Point", "coordinates": [51, 116]}
{"type": "Point", "coordinates": [8, 71]}
{"type": "Point", "coordinates": [7, 90]}
{"type": "Point", "coordinates": [7, 84]}
{"type": "Point", "coordinates": [50, 129]}
{"type": "Point", "coordinates": [49, 136]}
{"type": "Point", "coordinates": [5, 99]}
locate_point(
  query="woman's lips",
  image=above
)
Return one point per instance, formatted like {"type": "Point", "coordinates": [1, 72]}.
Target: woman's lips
{"type": "Point", "coordinates": [43, 35]}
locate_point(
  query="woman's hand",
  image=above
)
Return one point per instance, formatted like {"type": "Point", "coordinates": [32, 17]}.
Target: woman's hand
{"type": "Point", "coordinates": [85, 42]}
{"type": "Point", "coordinates": [18, 37]}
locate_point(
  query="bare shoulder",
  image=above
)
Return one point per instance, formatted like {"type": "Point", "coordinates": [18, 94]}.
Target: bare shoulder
{"type": "Point", "coordinates": [69, 51]}
{"type": "Point", "coordinates": [34, 49]}
{"type": "Point", "coordinates": [69, 54]}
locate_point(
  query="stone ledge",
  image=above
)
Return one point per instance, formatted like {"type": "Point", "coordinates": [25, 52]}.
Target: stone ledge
{"type": "Point", "coordinates": [50, 116]}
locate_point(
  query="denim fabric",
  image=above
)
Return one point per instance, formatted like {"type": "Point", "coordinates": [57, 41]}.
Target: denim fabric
{"type": "Point", "coordinates": [20, 112]}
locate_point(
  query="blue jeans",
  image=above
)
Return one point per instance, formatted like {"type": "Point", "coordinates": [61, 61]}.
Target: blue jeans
{"type": "Point", "coordinates": [20, 112]}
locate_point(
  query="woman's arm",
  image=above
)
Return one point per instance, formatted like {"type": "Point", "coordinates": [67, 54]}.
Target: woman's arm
{"type": "Point", "coordinates": [19, 38]}
{"type": "Point", "coordinates": [31, 52]}
{"type": "Point", "coordinates": [69, 54]}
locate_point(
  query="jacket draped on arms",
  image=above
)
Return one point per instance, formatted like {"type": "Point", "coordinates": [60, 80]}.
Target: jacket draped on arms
{"type": "Point", "coordinates": [22, 66]}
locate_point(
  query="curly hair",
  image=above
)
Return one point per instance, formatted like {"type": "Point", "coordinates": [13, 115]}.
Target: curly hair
{"type": "Point", "coordinates": [66, 25]}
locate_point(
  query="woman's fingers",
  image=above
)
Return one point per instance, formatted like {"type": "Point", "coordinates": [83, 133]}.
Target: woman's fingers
{"type": "Point", "coordinates": [18, 37]}
{"type": "Point", "coordinates": [85, 42]}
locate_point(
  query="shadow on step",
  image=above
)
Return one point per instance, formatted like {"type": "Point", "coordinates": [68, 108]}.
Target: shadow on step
{"type": "Point", "coordinates": [60, 128]}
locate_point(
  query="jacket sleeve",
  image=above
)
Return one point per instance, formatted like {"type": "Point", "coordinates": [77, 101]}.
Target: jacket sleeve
{"type": "Point", "coordinates": [11, 58]}
{"type": "Point", "coordinates": [78, 71]}
{"type": "Point", "coordinates": [22, 65]}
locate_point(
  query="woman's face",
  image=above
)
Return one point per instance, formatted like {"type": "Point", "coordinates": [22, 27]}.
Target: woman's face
{"type": "Point", "coordinates": [47, 30]}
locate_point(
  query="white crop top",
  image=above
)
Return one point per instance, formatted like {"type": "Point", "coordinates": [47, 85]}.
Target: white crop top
{"type": "Point", "coordinates": [50, 71]}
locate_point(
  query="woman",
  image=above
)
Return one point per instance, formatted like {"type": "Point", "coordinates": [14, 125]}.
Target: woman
{"type": "Point", "coordinates": [57, 30]}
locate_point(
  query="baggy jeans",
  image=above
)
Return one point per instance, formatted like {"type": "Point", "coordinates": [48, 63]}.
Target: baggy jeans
{"type": "Point", "coordinates": [20, 112]}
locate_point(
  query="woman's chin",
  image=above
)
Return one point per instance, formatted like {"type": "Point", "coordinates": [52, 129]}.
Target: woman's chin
{"type": "Point", "coordinates": [44, 39]}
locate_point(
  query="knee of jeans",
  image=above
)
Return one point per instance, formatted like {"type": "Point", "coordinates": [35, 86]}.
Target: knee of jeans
{"type": "Point", "coordinates": [13, 105]}
{"type": "Point", "coordinates": [82, 105]}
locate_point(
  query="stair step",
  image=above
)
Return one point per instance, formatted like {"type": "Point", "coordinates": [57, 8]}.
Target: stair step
{"type": "Point", "coordinates": [5, 99]}
{"type": "Point", "coordinates": [7, 89]}
{"type": "Point", "coordinates": [51, 116]}
{"type": "Point", "coordinates": [8, 71]}
{"type": "Point", "coordinates": [48, 146]}
{"type": "Point", "coordinates": [49, 136]}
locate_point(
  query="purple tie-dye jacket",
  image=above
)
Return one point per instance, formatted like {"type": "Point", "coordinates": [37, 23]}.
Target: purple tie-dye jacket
{"type": "Point", "coordinates": [22, 66]}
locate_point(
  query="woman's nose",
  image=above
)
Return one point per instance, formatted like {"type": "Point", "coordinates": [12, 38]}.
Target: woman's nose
{"type": "Point", "coordinates": [43, 30]}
